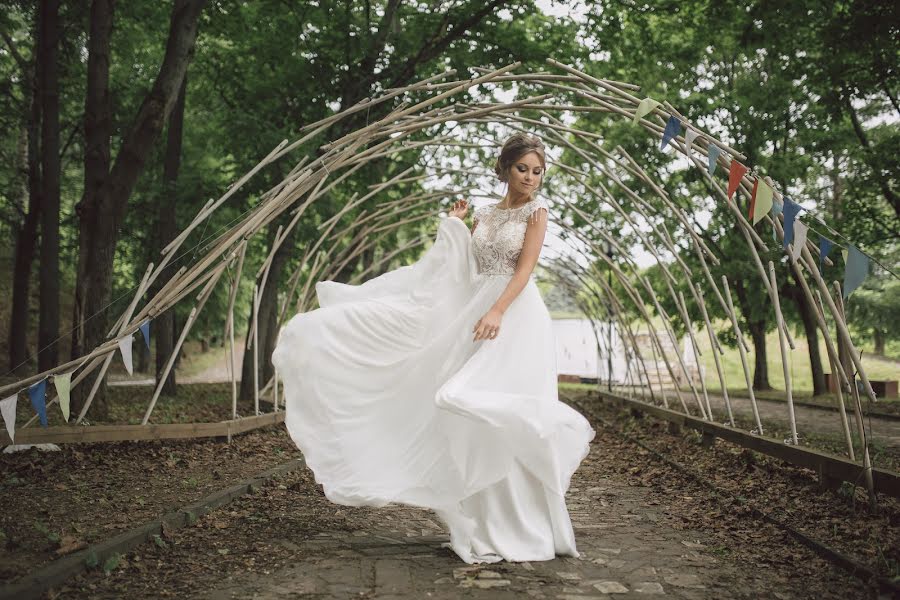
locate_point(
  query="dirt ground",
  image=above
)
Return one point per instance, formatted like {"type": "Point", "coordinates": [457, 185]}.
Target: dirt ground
{"type": "Point", "coordinates": [640, 524]}
{"type": "Point", "coordinates": [57, 502]}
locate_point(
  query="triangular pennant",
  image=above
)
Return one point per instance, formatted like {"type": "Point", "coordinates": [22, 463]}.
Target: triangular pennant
{"type": "Point", "coordinates": [777, 207]}
{"type": "Point", "coordinates": [37, 392]}
{"type": "Point", "coordinates": [63, 383]}
{"type": "Point", "coordinates": [762, 200]}
{"type": "Point", "coordinates": [825, 246]}
{"type": "Point", "coordinates": [799, 242]}
{"type": "Point", "coordinates": [8, 410]}
{"type": "Point", "coordinates": [713, 153]}
{"type": "Point", "coordinates": [690, 135]}
{"type": "Point", "coordinates": [735, 173]}
{"type": "Point", "coordinates": [790, 210]}
{"type": "Point", "coordinates": [145, 331]}
{"type": "Point", "coordinates": [673, 128]}
{"type": "Point", "coordinates": [125, 348]}
{"type": "Point", "coordinates": [646, 106]}
{"type": "Point", "coordinates": [856, 270]}
{"type": "Point", "coordinates": [752, 200]}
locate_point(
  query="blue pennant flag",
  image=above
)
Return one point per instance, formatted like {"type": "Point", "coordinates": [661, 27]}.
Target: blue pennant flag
{"type": "Point", "coordinates": [856, 269]}
{"type": "Point", "coordinates": [790, 210]}
{"type": "Point", "coordinates": [145, 331]}
{"type": "Point", "coordinates": [777, 207]}
{"type": "Point", "coordinates": [714, 152]}
{"type": "Point", "coordinates": [825, 246]}
{"type": "Point", "coordinates": [37, 393]}
{"type": "Point", "coordinates": [673, 128]}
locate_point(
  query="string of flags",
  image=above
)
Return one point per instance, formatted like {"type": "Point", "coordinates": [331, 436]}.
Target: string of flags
{"type": "Point", "coordinates": [762, 202]}
{"type": "Point", "coordinates": [37, 392]}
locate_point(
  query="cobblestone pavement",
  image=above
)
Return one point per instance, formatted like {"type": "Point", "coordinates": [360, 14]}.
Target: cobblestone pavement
{"type": "Point", "coordinates": [623, 550]}
{"type": "Point", "coordinates": [289, 541]}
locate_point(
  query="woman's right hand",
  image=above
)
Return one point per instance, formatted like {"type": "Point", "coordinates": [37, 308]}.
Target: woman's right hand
{"type": "Point", "coordinates": [460, 208]}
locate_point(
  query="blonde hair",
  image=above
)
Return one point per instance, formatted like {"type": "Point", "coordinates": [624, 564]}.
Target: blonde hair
{"type": "Point", "coordinates": [514, 148]}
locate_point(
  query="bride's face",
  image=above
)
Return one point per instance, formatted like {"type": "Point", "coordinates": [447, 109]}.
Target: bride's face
{"type": "Point", "coordinates": [526, 173]}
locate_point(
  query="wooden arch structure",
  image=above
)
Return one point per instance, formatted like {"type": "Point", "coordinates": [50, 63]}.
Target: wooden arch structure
{"type": "Point", "coordinates": [568, 90]}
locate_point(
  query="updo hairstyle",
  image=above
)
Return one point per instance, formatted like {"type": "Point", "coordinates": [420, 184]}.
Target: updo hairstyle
{"type": "Point", "coordinates": [518, 145]}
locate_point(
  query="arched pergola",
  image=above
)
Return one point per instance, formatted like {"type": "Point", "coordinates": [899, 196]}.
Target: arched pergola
{"type": "Point", "coordinates": [644, 207]}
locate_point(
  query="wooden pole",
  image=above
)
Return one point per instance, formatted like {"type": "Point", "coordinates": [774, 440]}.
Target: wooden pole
{"type": "Point", "coordinates": [784, 359]}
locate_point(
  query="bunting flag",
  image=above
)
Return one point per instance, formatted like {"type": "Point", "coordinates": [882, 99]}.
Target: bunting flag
{"type": "Point", "coordinates": [800, 230]}
{"type": "Point", "coordinates": [735, 173]}
{"type": "Point", "coordinates": [145, 331]}
{"type": "Point", "coordinates": [689, 136]}
{"type": "Point", "coordinates": [646, 106]}
{"type": "Point", "coordinates": [8, 410]}
{"type": "Point", "coordinates": [791, 209]}
{"type": "Point", "coordinates": [761, 201]}
{"type": "Point", "coordinates": [37, 393]}
{"type": "Point", "coordinates": [713, 153]}
{"type": "Point", "coordinates": [752, 201]}
{"type": "Point", "coordinates": [125, 348]}
{"type": "Point", "coordinates": [777, 207]}
{"type": "Point", "coordinates": [673, 128]}
{"type": "Point", "coordinates": [825, 246]}
{"type": "Point", "coordinates": [856, 269]}
{"type": "Point", "coordinates": [63, 385]}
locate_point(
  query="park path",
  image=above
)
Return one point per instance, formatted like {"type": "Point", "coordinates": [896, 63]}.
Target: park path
{"type": "Point", "coordinates": [886, 431]}
{"type": "Point", "coordinates": [632, 524]}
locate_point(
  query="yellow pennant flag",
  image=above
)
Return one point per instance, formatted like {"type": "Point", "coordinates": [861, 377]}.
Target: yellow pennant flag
{"type": "Point", "coordinates": [646, 106]}
{"type": "Point", "coordinates": [63, 385]}
{"type": "Point", "coordinates": [763, 203]}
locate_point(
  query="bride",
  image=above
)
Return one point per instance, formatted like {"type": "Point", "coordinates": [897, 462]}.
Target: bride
{"type": "Point", "coordinates": [435, 384]}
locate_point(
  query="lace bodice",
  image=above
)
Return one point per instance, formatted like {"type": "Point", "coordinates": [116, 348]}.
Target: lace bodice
{"type": "Point", "coordinates": [500, 234]}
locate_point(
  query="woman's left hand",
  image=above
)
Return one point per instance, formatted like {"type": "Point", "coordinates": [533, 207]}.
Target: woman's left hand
{"type": "Point", "coordinates": [488, 326]}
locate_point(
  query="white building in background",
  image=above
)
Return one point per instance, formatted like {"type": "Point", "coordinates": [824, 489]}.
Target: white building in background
{"type": "Point", "coordinates": [577, 351]}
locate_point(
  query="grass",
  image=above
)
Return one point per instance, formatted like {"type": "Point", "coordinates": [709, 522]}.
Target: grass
{"type": "Point", "coordinates": [799, 368]}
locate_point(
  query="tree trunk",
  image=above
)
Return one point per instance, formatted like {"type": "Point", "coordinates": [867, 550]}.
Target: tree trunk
{"type": "Point", "coordinates": [879, 336]}
{"type": "Point", "coordinates": [27, 233]}
{"type": "Point", "coordinates": [167, 229]}
{"type": "Point", "coordinates": [757, 329]}
{"type": "Point", "coordinates": [267, 319]}
{"type": "Point", "coordinates": [103, 206]}
{"type": "Point", "coordinates": [760, 364]}
{"type": "Point", "coordinates": [48, 327]}
{"type": "Point", "coordinates": [810, 328]}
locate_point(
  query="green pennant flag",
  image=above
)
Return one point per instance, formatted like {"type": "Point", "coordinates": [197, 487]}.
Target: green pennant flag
{"type": "Point", "coordinates": [63, 383]}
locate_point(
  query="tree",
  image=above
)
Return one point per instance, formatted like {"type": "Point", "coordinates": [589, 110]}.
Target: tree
{"type": "Point", "coordinates": [107, 190]}
{"type": "Point", "coordinates": [48, 329]}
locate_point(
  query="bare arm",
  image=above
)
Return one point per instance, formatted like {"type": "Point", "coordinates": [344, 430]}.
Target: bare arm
{"type": "Point", "coordinates": [488, 325]}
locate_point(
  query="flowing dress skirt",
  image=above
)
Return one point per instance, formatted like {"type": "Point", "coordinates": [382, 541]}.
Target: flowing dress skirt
{"type": "Point", "coordinates": [390, 400]}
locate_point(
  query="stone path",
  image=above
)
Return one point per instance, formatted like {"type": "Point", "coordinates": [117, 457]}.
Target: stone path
{"type": "Point", "coordinates": [288, 541]}
{"type": "Point", "coordinates": [624, 552]}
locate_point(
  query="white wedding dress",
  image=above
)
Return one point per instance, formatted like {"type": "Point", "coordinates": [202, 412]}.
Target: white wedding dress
{"type": "Point", "coordinates": [390, 400]}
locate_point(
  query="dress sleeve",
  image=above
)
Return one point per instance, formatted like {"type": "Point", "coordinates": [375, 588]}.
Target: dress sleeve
{"type": "Point", "coordinates": [533, 208]}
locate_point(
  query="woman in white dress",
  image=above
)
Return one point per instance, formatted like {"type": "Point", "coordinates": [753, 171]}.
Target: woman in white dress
{"type": "Point", "coordinates": [435, 384]}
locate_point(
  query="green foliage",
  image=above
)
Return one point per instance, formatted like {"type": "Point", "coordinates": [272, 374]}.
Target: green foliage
{"type": "Point", "coordinates": [806, 90]}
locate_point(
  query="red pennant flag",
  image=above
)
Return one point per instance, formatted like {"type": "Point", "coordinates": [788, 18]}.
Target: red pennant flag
{"type": "Point", "coordinates": [753, 200]}
{"type": "Point", "coordinates": [734, 176]}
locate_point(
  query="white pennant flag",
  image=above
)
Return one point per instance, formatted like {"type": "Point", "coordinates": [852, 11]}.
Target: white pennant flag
{"type": "Point", "coordinates": [689, 136]}
{"type": "Point", "coordinates": [799, 242]}
{"type": "Point", "coordinates": [125, 347]}
{"type": "Point", "coordinates": [8, 409]}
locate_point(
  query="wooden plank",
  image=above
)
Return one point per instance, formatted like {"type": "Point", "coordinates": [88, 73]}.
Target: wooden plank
{"type": "Point", "coordinates": [825, 464]}
{"type": "Point", "coordinates": [117, 433]}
